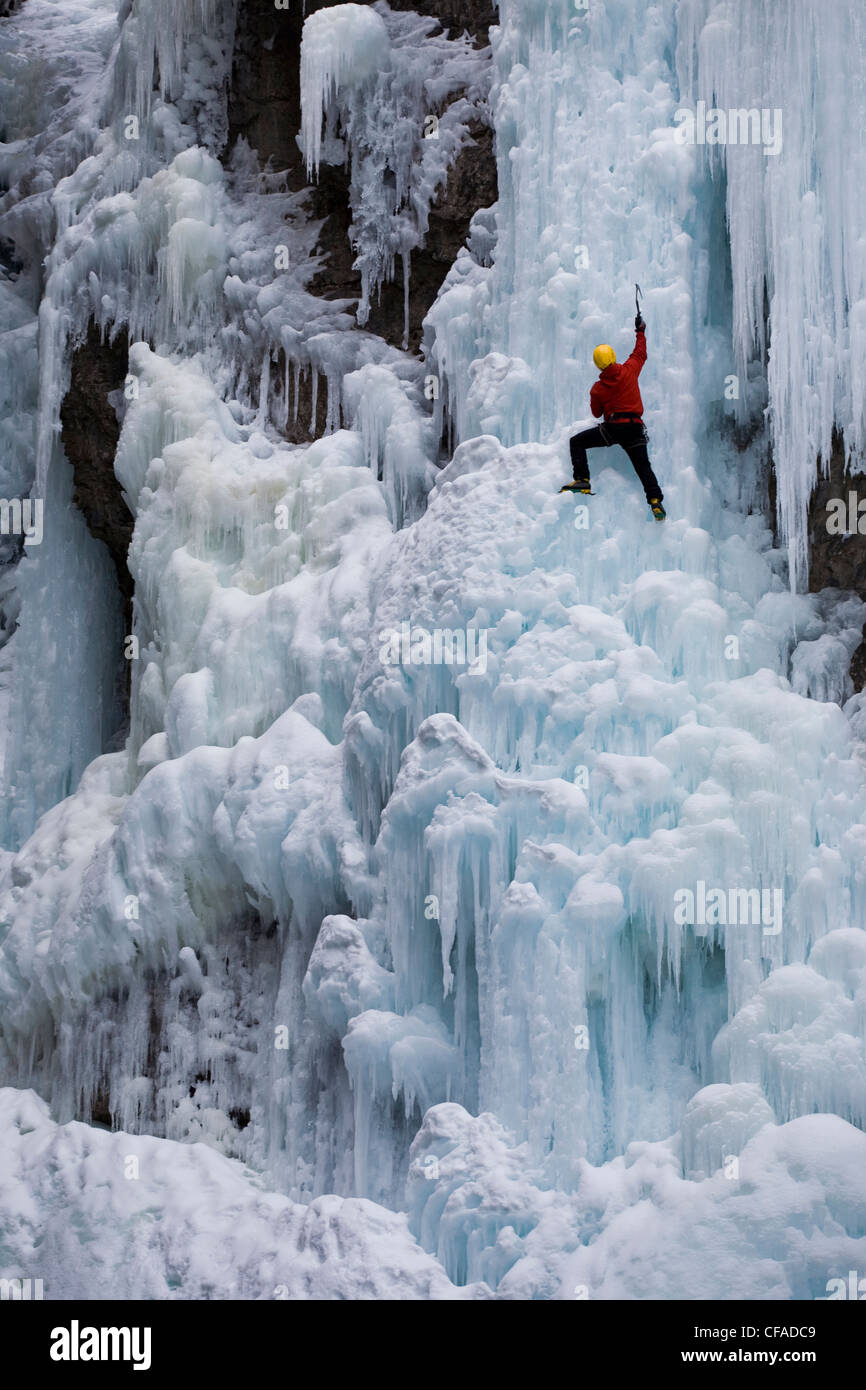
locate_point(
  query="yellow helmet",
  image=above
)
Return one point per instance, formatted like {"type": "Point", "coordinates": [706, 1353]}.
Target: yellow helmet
{"type": "Point", "coordinates": [603, 356]}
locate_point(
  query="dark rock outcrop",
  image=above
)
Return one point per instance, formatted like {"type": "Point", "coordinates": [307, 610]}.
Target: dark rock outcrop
{"type": "Point", "coordinates": [265, 97]}
{"type": "Point", "coordinates": [838, 560]}
{"type": "Point", "coordinates": [471, 185]}
{"type": "Point", "coordinates": [90, 432]}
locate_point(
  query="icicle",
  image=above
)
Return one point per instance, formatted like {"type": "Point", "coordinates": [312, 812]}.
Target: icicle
{"type": "Point", "coordinates": [796, 231]}
{"type": "Point", "coordinates": [340, 43]}
{"type": "Point", "coordinates": [314, 398]}
{"type": "Point", "coordinates": [296, 395]}
{"type": "Point", "coordinates": [264, 390]}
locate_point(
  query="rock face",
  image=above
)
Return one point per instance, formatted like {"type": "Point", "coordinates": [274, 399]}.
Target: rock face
{"type": "Point", "coordinates": [838, 560]}
{"type": "Point", "coordinates": [90, 432]}
{"type": "Point", "coordinates": [471, 185]}
{"type": "Point", "coordinates": [265, 98]}
{"type": "Point", "coordinates": [265, 108]}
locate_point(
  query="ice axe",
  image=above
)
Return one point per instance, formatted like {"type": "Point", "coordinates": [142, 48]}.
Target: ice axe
{"type": "Point", "coordinates": [638, 293]}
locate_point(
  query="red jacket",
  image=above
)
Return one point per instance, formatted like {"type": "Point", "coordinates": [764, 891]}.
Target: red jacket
{"type": "Point", "coordinates": [616, 390]}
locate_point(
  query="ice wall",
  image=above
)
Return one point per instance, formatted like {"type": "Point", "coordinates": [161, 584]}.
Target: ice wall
{"type": "Point", "coordinates": [612, 689]}
{"type": "Point", "coordinates": [795, 220]}
{"type": "Point", "coordinates": [61, 704]}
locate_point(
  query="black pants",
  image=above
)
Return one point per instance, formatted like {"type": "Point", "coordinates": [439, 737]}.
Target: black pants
{"type": "Point", "coordinates": [631, 436]}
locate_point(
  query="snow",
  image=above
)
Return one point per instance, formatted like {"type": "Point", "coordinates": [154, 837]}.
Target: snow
{"type": "Point", "coordinates": [364, 951]}
{"type": "Point", "coordinates": [801, 1034]}
{"type": "Point", "coordinates": [122, 1216]}
{"type": "Point", "coordinates": [343, 43]}
{"type": "Point", "coordinates": [780, 1225]}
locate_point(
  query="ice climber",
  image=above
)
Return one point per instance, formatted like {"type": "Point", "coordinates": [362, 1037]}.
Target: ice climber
{"type": "Point", "coordinates": [616, 396]}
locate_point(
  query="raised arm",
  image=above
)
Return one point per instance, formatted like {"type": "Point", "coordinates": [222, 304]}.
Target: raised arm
{"type": "Point", "coordinates": [638, 357]}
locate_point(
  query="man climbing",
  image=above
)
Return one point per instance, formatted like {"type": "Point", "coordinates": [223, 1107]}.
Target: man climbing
{"type": "Point", "coordinates": [616, 396]}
